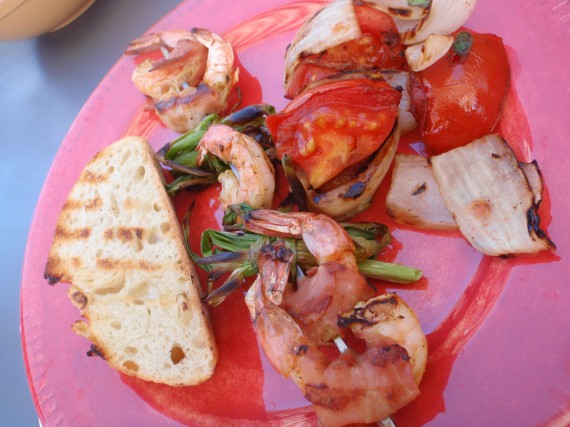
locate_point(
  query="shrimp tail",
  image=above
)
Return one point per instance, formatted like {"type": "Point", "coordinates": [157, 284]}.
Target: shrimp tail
{"type": "Point", "coordinates": [283, 341]}
{"type": "Point", "coordinates": [276, 269]}
{"type": "Point", "coordinates": [273, 223]}
{"type": "Point", "coordinates": [143, 44]}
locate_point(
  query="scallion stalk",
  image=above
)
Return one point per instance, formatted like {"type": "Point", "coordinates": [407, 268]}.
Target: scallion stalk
{"type": "Point", "coordinates": [388, 271]}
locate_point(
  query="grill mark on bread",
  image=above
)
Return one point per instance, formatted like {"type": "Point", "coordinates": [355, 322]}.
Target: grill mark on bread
{"type": "Point", "coordinates": [92, 178]}
{"type": "Point", "coordinates": [88, 204]}
{"type": "Point", "coordinates": [124, 234]}
{"type": "Point", "coordinates": [79, 233]}
{"type": "Point", "coordinates": [126, 264]}
{"type": "Point", "coordinates": [106, 199]}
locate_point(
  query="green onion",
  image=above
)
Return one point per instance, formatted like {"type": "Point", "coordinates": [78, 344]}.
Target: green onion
{"type": "Point", "coordinates": [190, 140]}
{"type": "Point", "coordinates": [188, 181]}
{"type": "Point", "coordinates": [388, 271]}
{"type": "Point", "coordinates": [235, 253]}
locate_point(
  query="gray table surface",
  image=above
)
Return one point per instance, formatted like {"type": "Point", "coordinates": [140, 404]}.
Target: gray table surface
{"type": "Point", "coordinates": [44, 82]}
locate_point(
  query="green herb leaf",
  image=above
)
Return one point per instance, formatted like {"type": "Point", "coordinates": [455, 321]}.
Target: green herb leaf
{"type": "Point", "coordinates": [462, 44]}
{"type": "Point", "coordinates": [419, 3]}
{"type": "Point", "coordinates": [213, 240]}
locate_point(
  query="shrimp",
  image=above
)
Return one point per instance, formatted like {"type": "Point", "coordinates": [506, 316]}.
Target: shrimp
{"type": "Point", "coordinates": [251, 179]}
{"type": "Point", "coordinates": [353, 388]}
{"type": "Point", "coordinates": [388, 315]}
{"type": "Point", "coordinates": [194, 80]}
{"type": "Point", "coordinates": [331, 288]}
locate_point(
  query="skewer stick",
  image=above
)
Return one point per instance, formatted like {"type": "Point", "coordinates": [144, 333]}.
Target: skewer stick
{"type": "Point", "coordinates": [340, 344]}
{"type": "Point", "coordinates": [386, 422]}
{"type": "Point", "coordinates": [235, 171]}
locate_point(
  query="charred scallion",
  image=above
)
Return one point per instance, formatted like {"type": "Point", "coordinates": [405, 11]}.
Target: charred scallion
{"type": "Point", "coordinates": [234, 254]}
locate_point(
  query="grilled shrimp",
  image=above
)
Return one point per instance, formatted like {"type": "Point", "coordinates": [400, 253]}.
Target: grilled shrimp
{"type": "Point", "coordinates": [251, 178]}
{"type": "Point", "coordinates": [331, 288]}
{"type": "Point", "coordinates": [194, 80]}
{"type": "Point", "coordinates": [388, 315]}
{"type": "Point", "coordinates": [353, 388]}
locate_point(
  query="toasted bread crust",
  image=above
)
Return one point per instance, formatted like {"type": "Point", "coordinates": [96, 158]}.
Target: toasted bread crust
{"type": "Point", "coordinates": [118, 242]}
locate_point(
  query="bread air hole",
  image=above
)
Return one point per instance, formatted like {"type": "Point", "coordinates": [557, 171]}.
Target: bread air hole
{"type": "Point", "coordinates": [78, 298]}
{"type": "Point", "coordinates": [176, 354]}
{"type": "Point", "coordinates": [140, 172]}
{"type": "Point", "coordinates": [199, 343]}
{"type": "Point", "coordinates": [156, 207]}
{"type": "Point", "coordinates": [165, 227]}
{"type": "Point", "coordinates": [110, 288]}
{"type": "Point", "coordinates": [116, 324]}
{"type": "Point", "coordinates": [139, 291]}
{"type": "Point", "coordinates": [185, 315]}
{"type": "Point", "coordinates": [152, 237]}
{"type": "Point", "coordinates": [131, 350]}
{"type": "Point", "coordinates": [81, 328]}
{"type": "Point", "coordinates": [130, 365]}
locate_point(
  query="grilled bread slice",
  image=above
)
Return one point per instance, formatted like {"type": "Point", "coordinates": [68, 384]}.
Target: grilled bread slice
{"type": "Point", "coordinates": [119, 244]}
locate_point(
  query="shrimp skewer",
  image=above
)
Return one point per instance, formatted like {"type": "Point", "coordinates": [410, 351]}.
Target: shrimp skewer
{"type": "Point", "coordinates": [333, 287]}
{"type": "Point", "coordinates": [353, 388]}
{"type": "Point", "coordinates": [251, 178]}
{"type": "Point", "coordinates": [194, 80]}
{"type": "Point", "coordinates": [388, 315]}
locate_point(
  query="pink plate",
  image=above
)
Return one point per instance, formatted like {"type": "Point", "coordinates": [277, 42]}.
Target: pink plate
{"type": "Point", "coordinates": [498, 329]}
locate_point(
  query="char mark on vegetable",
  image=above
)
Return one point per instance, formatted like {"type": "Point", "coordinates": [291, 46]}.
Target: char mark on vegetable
{"type": "Point", "coordinates": [354, 191]}
{"type": "Point", "coordinates": [420, 190]}
{"type": "Point", "coordinates": [400, 12]}
{"type": "Point", "coordinates": [534, 226]}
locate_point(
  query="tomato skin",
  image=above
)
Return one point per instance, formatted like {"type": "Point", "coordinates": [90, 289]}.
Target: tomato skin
{"type": "Point", "coordinates": [379, 47]}
{"type": "Point", "coordinates": [457, 100]}
{"type": "Point", "coordinates": [334, 126]}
